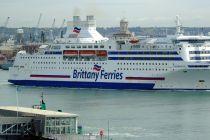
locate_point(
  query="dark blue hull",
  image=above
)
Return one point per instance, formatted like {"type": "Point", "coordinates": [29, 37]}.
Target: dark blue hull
{"type": "Point", "coordinates": [70, 84]}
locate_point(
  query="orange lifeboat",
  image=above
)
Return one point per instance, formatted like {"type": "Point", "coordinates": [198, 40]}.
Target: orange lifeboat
{"type": "Point", "coordinates": [134, 41]}
{"type": "Point", "coordinates": [87, 53]}
{"type": "Point", "coordinates": [102, 53]}
{"type": "Point", "coordinates": [70, 52]}
{"type": "Point", "coordinates": [2, 57]}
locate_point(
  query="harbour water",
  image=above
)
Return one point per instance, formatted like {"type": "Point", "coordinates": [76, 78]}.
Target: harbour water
{"type": "Point", "coordinates": [132, 114]}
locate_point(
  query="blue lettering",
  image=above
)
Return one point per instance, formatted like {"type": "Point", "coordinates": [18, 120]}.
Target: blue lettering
{"type": "Point", "coordinates": [104, 75]}
{"type": "Point", "coordinates": [117, 76]}
{"type": "Point", "coordinates": [121, 76]}
{"type": "Point", "coordinates": [75, 74]}
{"type": "Point", "coordinates": [96, 75]}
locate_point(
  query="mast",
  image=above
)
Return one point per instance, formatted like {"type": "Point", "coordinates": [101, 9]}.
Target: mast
{"type": "Point", "coordinates": [178, 26]}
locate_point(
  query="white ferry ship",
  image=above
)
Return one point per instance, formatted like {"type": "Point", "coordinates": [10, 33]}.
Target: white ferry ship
{"type": "Point", "coordinates": [83, 58]}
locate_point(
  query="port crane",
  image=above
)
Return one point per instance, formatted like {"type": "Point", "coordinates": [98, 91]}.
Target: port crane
{"type": "Point", "coordinates": [61, 28]}
{"type": "Point", "coordinates": [2, 35]}
{"type": "Point", "coordinates": [37, 27]}
{"type": "Point", "coordinates": [51, 31]}
{"type": "Point", "coordinates": [53, 24]}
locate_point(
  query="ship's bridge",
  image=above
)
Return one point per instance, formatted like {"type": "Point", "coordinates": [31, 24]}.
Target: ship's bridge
{"type": "Point", "coordinates": [79, 31]}
{"type": "Point", "coordinates": [192, 39]}
{"type": "Point", "coordinates": [194, 48]}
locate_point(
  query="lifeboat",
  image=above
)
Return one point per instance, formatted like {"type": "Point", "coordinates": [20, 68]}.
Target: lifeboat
{"type": "Point", "coordinates": [101, 53]}
{"type": "Point", "coordinates": [87, 53]}
{"type": "Point", "coordinates": [134, 41]}
{"type": "Point", "coordinates": [70, 52]}
{"type": "Point", "coordinates": [2, 57]}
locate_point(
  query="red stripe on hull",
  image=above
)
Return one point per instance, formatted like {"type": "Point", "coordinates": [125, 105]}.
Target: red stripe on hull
{"type": "Point", "coordinates": [146, 78]}
{"type": "Point", "coordinates": [50, 76]}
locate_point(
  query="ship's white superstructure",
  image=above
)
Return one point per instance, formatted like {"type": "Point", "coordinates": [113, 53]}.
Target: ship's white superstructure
{"type": "Point", "coordinates": [86, 59]}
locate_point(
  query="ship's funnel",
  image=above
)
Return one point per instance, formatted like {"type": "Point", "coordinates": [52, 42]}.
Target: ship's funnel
{"type": "Point", "coordinates": [90, 17]}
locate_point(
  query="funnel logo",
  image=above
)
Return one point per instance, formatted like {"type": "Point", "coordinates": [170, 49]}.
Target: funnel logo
{"type": "Point", "coordinates": [76, 30]}
{"type": "Point", "coordinates": [97, 73]}
{"type": "Point", "coordinates": [97, 68]}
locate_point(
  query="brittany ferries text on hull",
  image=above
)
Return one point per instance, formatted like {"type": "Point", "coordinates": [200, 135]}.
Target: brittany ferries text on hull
{"type": "Point", "coordinates": [83, 58]}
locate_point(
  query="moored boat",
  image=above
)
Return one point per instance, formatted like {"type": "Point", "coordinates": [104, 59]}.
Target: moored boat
{"type": "Point", "coordinates": [7, 64]}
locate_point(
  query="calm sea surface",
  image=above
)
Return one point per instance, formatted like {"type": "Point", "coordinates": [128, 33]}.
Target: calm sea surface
{"type": "Point", "coordinates": [132, 114]}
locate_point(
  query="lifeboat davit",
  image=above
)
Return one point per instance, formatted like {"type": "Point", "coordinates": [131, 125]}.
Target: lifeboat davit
{"type": "Point", "coordinates": [134, 41]}
{"type": "Point", "coordinates": [102, 53]}
{"type": "Point", "coordinates": [70, 52]}
{"type": "Point", "coordinates": [87, 53]}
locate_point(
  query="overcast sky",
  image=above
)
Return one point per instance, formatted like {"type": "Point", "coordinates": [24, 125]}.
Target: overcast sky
{"type": "Point", "coordinates": [107, 12]}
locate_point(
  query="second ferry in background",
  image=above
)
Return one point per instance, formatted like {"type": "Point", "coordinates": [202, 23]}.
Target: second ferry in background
{"type": "Point", "coordinates": [83, 58]}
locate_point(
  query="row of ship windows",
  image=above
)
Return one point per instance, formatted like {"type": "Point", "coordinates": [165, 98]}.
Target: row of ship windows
{"type": "Point", "coordinates": [44, 62]}
{"type": "Point", "coordinates": [199, 52]}
{"type": "Point", "coordinates": [35, 62]}
{"type": "Point", "coordinates": [38, 57]}
{"type": "Point", "coordinates": [68, 63]}
{"type": "Point", "coordinates": [144, 69]}
{"type": "Point", "coordinates": [142, 52]}
{"type": "Point", "coordinates": [85, 46]}
{"type": "Point", "coordinates": [142, 63]}
{"type": "Point", "coordinates": [147, 58]}
{"type": "Point", "coordinates": [193, 45]}
{"type": "Point", "coordinates": [83, 63]}
{"type": "Point", "coordinates": [156, 46]}
{"type": "Point", "coordinates": [86, 68]}
{"type": "Point", "coordinates": [199, 58]}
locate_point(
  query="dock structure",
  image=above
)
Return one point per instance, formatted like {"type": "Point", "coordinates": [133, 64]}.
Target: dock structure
{"type": "Point", "coordinates": [17, 122]}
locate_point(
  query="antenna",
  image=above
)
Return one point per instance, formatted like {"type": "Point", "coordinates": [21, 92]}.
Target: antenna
{"type": "Point", "coordinates": [17, 100]}
{"type": "Point", "coordinates": [42, 104]}
{"type": "Point", "coordinates": [6, 22]}
{"type": "Point", "coordinates": [42, 96]}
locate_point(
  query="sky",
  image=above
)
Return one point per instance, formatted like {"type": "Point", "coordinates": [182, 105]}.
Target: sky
{"type": "Point", "coordinates": [143, 13]}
